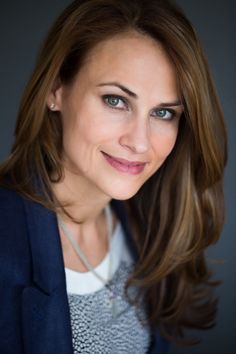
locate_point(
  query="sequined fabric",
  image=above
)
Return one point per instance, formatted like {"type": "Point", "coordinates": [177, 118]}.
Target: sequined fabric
{"type": "Point", "coordinates": [95, 329]}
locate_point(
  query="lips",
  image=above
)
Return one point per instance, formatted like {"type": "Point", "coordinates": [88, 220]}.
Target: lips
{"type": "Point", "coordinates": [123, 165]}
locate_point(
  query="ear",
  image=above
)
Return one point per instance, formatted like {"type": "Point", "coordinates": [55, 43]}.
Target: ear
{"type": "Point", "coordinates": [54, 99]}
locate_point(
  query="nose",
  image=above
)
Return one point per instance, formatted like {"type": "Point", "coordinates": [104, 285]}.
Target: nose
{"type": "Point", "coordinates": [136, 137]}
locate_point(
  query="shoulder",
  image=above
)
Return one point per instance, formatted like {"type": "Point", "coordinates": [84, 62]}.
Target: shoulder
{"type": "Point", "coordinates": [9, 197]}
{"type": "Point", "coordinates": [13, 223]}
{"type": "Point", "coordinates": [11, 203]}
{"type": "Point", "coordinates": [14, 241]}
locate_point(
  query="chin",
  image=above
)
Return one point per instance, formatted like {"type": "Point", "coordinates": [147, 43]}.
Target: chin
{"type": "Point", "coordinates": [123, 194]}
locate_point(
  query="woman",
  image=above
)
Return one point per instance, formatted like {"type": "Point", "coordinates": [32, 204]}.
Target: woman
{"type": "Point", "coordinates": [113, 189]}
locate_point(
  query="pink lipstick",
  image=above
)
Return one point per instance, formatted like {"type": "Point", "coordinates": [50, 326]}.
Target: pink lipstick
{"type": "Point", "coordinates": [122, 165]}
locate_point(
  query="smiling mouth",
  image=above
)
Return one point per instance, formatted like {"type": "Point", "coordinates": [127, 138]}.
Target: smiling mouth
{"type": "Point", "coordinates": [123, 165]}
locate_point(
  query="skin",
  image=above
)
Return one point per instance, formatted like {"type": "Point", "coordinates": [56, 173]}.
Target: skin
{"type": "Point", "coordinates": [139, 128]}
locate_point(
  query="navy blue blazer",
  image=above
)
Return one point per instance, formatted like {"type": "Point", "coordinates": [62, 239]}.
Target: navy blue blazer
{"type": "Point", "coordinates": [34, 310]}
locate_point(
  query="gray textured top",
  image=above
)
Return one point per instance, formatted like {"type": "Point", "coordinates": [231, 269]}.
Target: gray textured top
{"type": "Point", "coordinates": [96, 329]}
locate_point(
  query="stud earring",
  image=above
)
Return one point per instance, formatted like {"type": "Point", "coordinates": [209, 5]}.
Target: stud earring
{"type": "Point", "coordinates": [52, 106]}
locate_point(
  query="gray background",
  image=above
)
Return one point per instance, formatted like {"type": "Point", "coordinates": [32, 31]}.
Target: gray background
{"type": "Point", "coordinates": [23, 25]}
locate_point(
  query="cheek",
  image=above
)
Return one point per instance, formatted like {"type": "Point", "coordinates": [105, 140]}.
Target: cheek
{"type": "Point", "coordinates": [93, 126]}
{"type": "Point", "coordinates": [83, 134]}
{"type": "Point", "coordinates": [164, 142]}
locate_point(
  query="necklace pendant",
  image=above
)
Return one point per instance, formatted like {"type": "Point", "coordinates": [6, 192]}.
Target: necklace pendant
{"type": "Point", "coordinates": [115, 305]}
{"type": "Point", "coordinates": [115, 308]}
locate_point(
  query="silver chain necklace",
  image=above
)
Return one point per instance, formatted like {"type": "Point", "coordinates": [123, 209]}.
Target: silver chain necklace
{"type": "Point", "coordinates": [113, 297]}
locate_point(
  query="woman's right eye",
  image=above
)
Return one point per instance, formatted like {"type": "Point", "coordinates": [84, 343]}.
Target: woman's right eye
{"type": "Point", "coordinates": [115, 102]}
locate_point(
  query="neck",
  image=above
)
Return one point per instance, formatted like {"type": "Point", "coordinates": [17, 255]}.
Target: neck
{"type": "Point", "coordinates": [85, 202]}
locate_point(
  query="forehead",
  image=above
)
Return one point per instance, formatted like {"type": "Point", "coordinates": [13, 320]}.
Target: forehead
{"type": "Point", "coordinates": [133, 59]}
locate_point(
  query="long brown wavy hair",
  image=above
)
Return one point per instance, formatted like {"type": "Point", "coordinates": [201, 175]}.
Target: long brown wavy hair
{"type": "Point", "coordinates": [179, 211]}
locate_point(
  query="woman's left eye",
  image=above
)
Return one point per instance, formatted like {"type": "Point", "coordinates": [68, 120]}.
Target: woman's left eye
{"type": "Point", "coordinates": [167, 114]}
{"type": "Point", "coordinates": [114, 101]}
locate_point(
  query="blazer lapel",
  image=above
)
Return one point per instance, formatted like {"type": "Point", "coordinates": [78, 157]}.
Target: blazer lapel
{"type": "Point", "coordinates": [45, 310]}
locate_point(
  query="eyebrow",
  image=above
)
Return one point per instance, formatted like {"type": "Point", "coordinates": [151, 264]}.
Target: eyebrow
{"type": "Point", "coordinates": [134, 95]}
{"type": "Point", "coordinates": [123, 88]}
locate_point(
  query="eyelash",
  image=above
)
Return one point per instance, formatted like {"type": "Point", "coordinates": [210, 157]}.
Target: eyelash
{"type": "Point", "coordinates": [105, 99]}
{"type": "Point", "coordinates": [170, 111]}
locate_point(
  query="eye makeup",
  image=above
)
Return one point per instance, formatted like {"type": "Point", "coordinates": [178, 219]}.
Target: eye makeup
{"type": "Point", "coordinates": [115, 101]}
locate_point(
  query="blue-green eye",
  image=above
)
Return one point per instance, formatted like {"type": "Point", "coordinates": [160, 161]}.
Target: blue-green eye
{"type": "Point", "coordinates": [167, 114]}
{"type": "Point", "coordinates": [114, 101]}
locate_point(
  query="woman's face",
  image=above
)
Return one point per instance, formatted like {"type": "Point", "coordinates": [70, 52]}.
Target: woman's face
{"type": "Point", "coordinates": [120, 116]}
